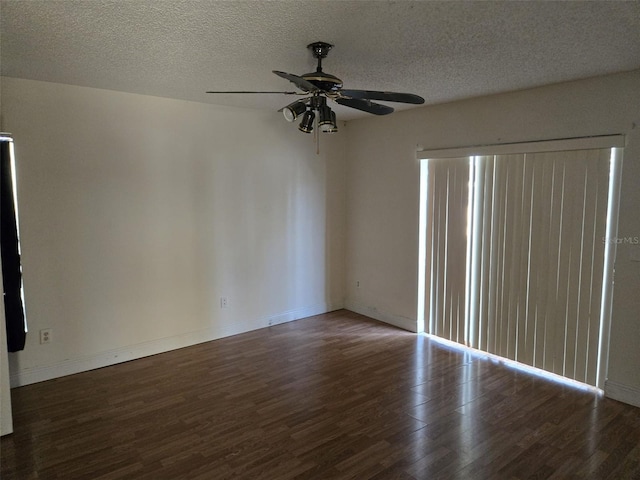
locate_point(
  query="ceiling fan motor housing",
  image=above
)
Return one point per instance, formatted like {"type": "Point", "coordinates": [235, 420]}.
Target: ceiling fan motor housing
{"type": "Point", "coordinates": [324, 81]}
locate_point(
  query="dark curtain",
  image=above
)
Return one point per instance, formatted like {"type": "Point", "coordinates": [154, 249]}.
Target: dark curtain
{"type": "Point", "coordinates": [11, 270]}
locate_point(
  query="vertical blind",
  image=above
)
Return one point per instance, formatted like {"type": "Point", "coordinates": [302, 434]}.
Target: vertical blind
{"type": "Point", "coordinates": [515, 256]}
{"type": "Point", "coordinates": [448, 197]}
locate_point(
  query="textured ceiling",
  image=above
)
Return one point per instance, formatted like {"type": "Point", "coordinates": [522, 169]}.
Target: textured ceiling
{"type": "Point", "coordinates": [442, 51]}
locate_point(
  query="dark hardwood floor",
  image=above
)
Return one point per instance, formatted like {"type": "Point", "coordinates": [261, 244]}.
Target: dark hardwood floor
{"type": "Point", "coordinates": [331, 396]}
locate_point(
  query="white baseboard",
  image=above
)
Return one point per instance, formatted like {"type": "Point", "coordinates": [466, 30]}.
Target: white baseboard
{"type": "Point", "coordinates": [71, 366]}
{"type": "Point", "coordinates": [622, 393]}
{"type": "Point", "coordinates": [390, 318]}
{"type": "Point", "coordinates": [299, 313]}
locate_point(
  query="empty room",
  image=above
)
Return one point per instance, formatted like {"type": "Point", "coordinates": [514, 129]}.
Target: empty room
{"type": "Point", "coordinates": [356, 239]}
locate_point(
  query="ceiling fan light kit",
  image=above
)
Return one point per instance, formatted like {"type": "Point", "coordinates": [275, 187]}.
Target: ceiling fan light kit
{"type": "Point", "coordinates": [319, 86]}
{"type": "Point", "coordinates": [306, 125]}
{"type": "Point", "coordinates": [294, 110]}
{"type": "Point", "coordinates": [324, 119]}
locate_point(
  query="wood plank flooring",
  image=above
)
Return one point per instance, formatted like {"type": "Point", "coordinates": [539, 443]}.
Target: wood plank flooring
{"type": "Point", "coordinates": [336, 396]}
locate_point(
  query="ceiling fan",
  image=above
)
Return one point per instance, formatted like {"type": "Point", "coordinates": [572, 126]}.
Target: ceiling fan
{"type": "Point", "coordinates": [319, 86]}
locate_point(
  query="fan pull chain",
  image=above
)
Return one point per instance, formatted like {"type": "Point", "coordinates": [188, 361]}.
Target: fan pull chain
{"type": "Point", "coordinates": [317, 135]}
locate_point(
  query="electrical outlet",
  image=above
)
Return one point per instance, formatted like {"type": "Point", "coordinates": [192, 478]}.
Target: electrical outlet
{"type": "Point", "coordinates": [358, 284]}
{"type": "Point", "coordinates": [223, 302]}
{"type": "Point", "coordinates": [46, 335]}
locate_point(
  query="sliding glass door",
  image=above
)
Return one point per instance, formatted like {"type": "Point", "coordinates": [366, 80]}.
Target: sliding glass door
{"type": "Point", "coordinates": [516, 256]}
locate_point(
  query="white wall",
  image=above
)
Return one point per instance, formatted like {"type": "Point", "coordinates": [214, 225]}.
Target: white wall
{"type": "Point", "coordinates": [383, 194]}
{"type": "Point", "coordinates": [138, 213]}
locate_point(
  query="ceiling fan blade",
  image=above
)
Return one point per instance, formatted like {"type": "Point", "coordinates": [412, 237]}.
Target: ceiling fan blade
{"type": "Point", "coordinates": [384, 96]}
{"type": "Point", "coordinates": [239, 91]}
{"type": "Point", "coordinates": [365, 105]}
{"type": "Point", "coordinates": [299, 82]}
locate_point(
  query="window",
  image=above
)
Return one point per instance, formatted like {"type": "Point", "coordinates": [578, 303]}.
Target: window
{"type": "Point", "coordinates": [11, 267]}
